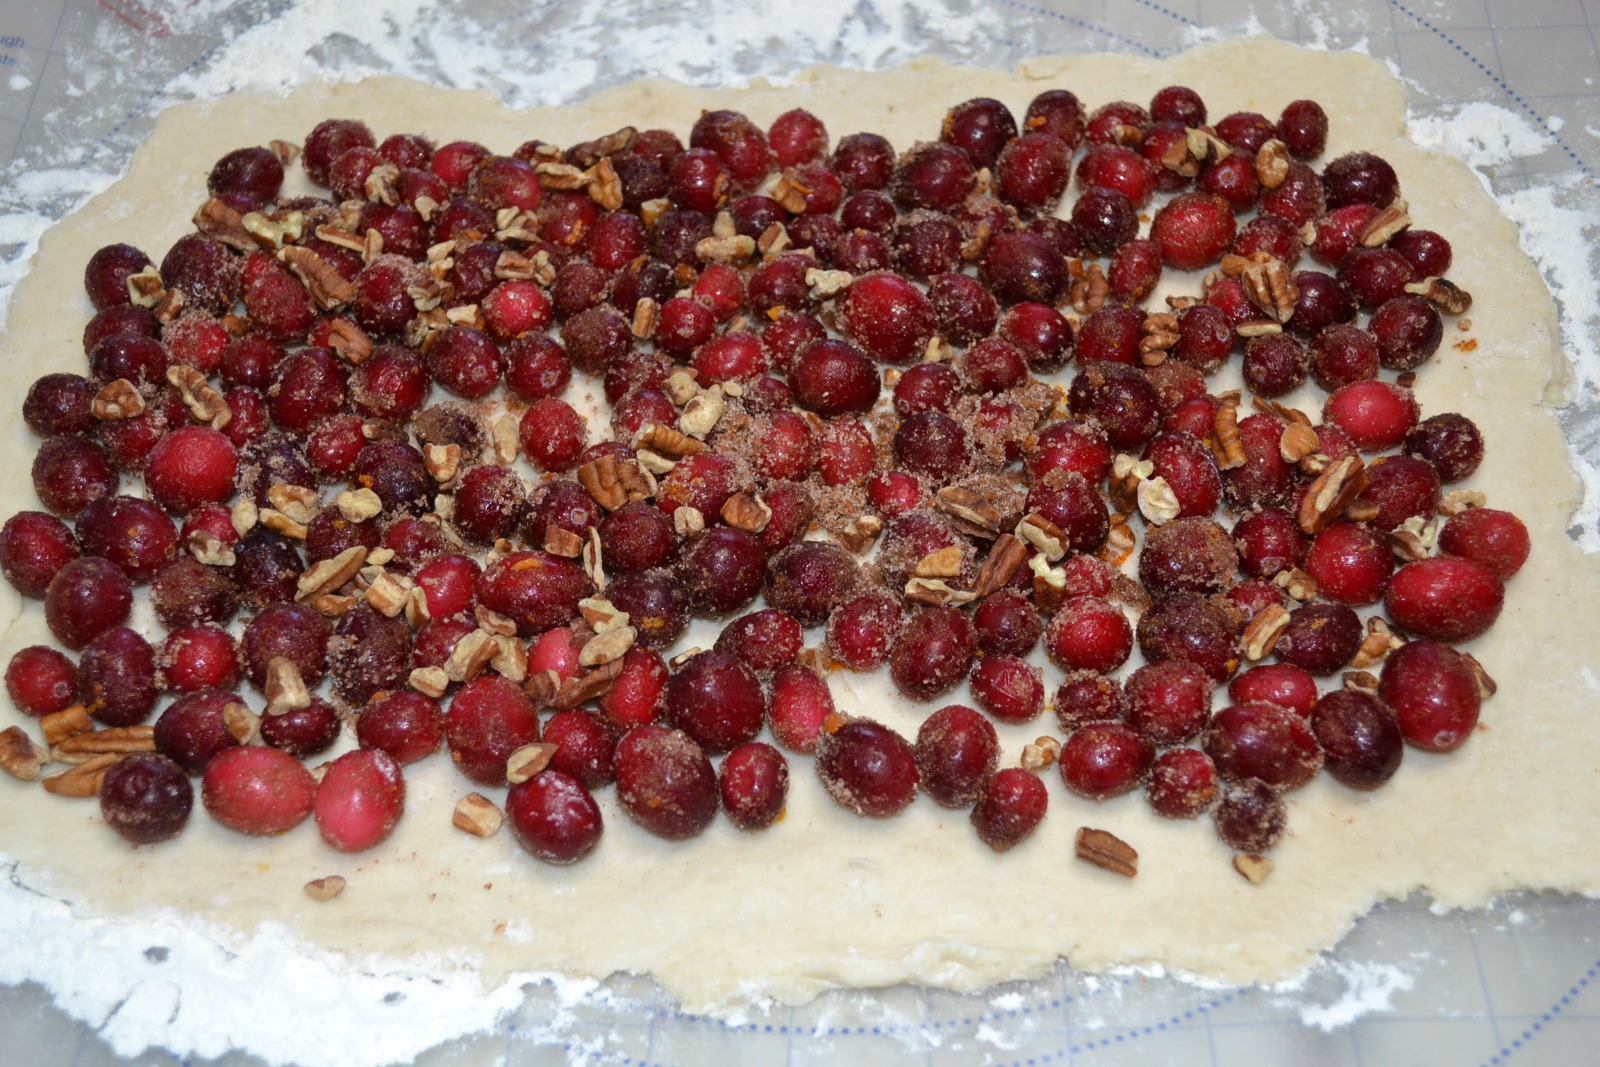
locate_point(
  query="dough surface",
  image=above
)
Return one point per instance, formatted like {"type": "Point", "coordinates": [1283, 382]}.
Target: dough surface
{"type": "Point", "coordinates": [827, 898]}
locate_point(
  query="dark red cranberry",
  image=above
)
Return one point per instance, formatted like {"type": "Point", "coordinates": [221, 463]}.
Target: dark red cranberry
{"type": "Point", "coordinates": [665, 782]}
{"type": "Point", "coordinates": [1088, 633]}
{"type": "Point", "coordinates": [834, 378]}
{"type": "Point", "coordinates": [754, 783]}
{"type": "Point", "coordinates": [1299, 198]}
{"type": "Point", "coordinates": [59, 404]}
{"type": "Point", "coordinates": [1350, 564]}
{"type": "Point", "coordinates": [721, 571]}
{"type": "Point", "coordinates": [1188, 626]}
{"type": "Point", "coordinates": [1496, 539]}
{"type": "Point", "coordinates": [1104, 219]}
{"type": "Point", "coordinates": [1011, 807]}
{"type": "Point", "coordinates": [1121, 399]}
{"type": "Point", "coordinates": [1193, 230]}
{"type": "Point", "coordinates": [1375, 275]}
{"type": "Point", "coordinates": [763, 640]}
{"type": "Point", "coordinates": [933, 175]}
{"type": "Point", "coordinates": [716, 700]}
{"type": "Point", "coordinates": [146, 798]}
{"type": "Point", "coordinates": [105, 277]}
{"type": "Point", "coordinates": [867, 768]}
{"type": "Point", "coordinates": [1234, 179]}
{"type": "Point", "coordinates": [809, 578]}
{"type": "Point", "coordinates": [1428, 253]}
{"type": "Point", "coordinates": [204, 270]}
{"type": "Point", "coordinates": [956, 752]}
{"type": "Point", "coordinates": [927, 243]}
{"type": "Point", "coordinates": [656, 603]}
{"type": "Point", "coordinates": [1250, 816]}
{"type": "Point", "coordinates": [1360, 738]}
{"type": "Point", "coordinates": [1450, 442]}
{"type": "Point", "coordinates": [266, 569]}
{"type": "Point", "coordinates": [863, 161]}
{"type": "Point", "coordinates": [40, 680]}
{"type": "Point", "coordinates": [1007, 624]}
{"type": "Point", "coordinates": [489, 719]}
{"type": "Point", "coordinates": [1320, 638]}
{"type": "Point", "coordinates": [197, 657]}
{"type": "Point", "coordinates": [1032, 171]}
{"type": "Point", "coordinates": [303, 732]}
{"type": "Point", "coordinates": [534, 589]}
{"type": "Point", "coordinates": [368, 653]}
{"type": "Point", "coordinates": [295, 632]}
{"type": "Point", "coordinates": [405, 724]}
{"type": "Point", "coordinates": [1263, 741]}
{"type": "Point", "coordinates": [1275, 365]}
{"type": "Point", "coordinates": [861, 630]}
{"type": "Point", "coordinates": [1190, 555]}
{"type": "Point", "coordinates": [1408, 331]}
{"type": "Point", "coordinates": [554, 817]}
{"type": "Point", "coordinates": [637, 537]}
{"type": "Point", "coordinates": [1360, 177]}
{"type": "Point", "coordinates": [184, 592]}
{"type": "Point", "coordinates": [1182, 784]}
{"type": "Point", "coordinates": [1303, 128]}
{"type": "Point", "coordinates": [1023, 267]}
{"type": "Point", "coordinates": [1008, 688]}
{"type": "Point", "coordinates": [933, 654]}
{"type": "Point", "coordinates": [117, 677]}
{"type": "Point", "coordinates": [34, 546]}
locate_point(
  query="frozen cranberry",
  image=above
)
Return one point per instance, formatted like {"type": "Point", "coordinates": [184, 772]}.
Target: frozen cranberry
{"type": "Point", "coordinates": [1350, 563]}
{"type": "Point", "coordinates": [1428, 253]}
{"type": "Point", "coordinates": [1444, 598]}
{"type": "Point", "coordinates": [146, 798]}
{"type": "Point", "coordinates": [1400, 487]}
{"type": "Point", "coordinates": [554, 817]}
{"type": "Point", "coordinates": [1168, 702]}
{"type": "Point", "coordinates": [1192, 230]}
{"type": "Point", "coordinates": [1450, 442]}
{"type": "Point", "coordinates": [863, 161]}
{"type": "Point", "coordinates": [1298, 198]}
{"type": "Point", "coordinates": [359, 800]}
{"type": "Point", "coordinates": [797, 136]}
{"type": "Point", "coordinates": [1275, 365]}
{"type": "Point", "coordinates": [1111, 334]}
{"type": "Point", "coordinates": [1303, 128]}
{"type": "Point", "coordinates": [40, 680]}
{"type": "Point", "coordinates": [717, 700]}
{"type": "Point", "coordinates": [552, 434]}
{"type": "Point", "coordinates": [1263, 741]}
{"type": "Point", "coordinates": [586, 745]}
{"type": "Point", "coordinates": [1375, 275]}
{"type": "Point", "coordinates": [1433, 692]}
{"type": "Point", "coordinates": [1182, 783]}
{"type": "Point", "coordinates": [204, 270]}
{"type": "Point", "coordinates": [1087, 696]}
{"type": "Point", "coordinates": [1250, 816]}
{"type": "Point", "coordinates": [1188, 626]}
{"type": "Point", "coordinates": [1408, 331]}
{"type": "Point", "coordinates": [534, 589]}
{"type": "Point", "coordinates": [763, 640]}
{"type": "Point", "coordinates": [256, 790]}
{"type": "Point", "coordinates": [1023, 267]}
{"type": "Point", "coordinates": [1088, 633]}
{"type": "Point", "coordinates": [1103, 759]}
{"type": "Point", "coordinates": [1007, 624]}
{"type": "Point", "coordinates": [891, 319]}
{"type": "Point", "coordinates": [933, 654]}
{"type": "Point", "coordinates": [1008, 688]}
{"type": "Point", "coordinates": [70, 473]}
{"type": "Point", "coordinates": [1279, 683]}
{"type": "Point", "coordinates": [1342, 355]}
{"type": "Point", "coordinates": [1360, 738]}
{"type": "Point", "coordinates": [808, 579]}
{"type": "Point", "coordinates": [1234, 179]}
{"type": "Point", "coordinates": [87, 597]}
{"type": "Point", "coordinates": [33, 547]}
{"type": "Point", "coordinates": [1190, 470]}
{"type": "Point", "coordinates": [665, 782]}
{"type": "Point", "coordinates": [105, 277]}
{"type": "Point", "coordinates": [861, 630]}
{"type": "Point", "coordinates": [1073, 445]}
{"type": "Point", "coordinates": [1205, 337]}
{"type": "Point", "coordinates": [198, 657]}
{"type": "Point", "coordinates": [190, 466]}
{"type": "Point", "coordinates": [1496, 539]}
{"type": "Point", "coordinates": [195, 727]}
{"type": "Point", "coordinates": [295, 632]}
{"type": "Point", "coordinates": [933, 175]}
{"type": "Point", "coordinates": [368, 653]}
{"type": "Point", "coordinates": [1269, 541]}
{"type": "Point", "coordinates": [635, 695]}
{"type": "Point", "coordinates": [1360, 177]}
{"type": "Point", "coordinates": [1032, 171]}
{"type": "Point", "coordinates": [1104, 219]}
{"type": "Point", "coordinates": [1320, 638]}
{"type": "Point", "coordinates": [1266, 477]}
{"type": "Point", "coordinates": [637, 537]}
{"type": "Point", "coordinates": [834, 377]}
{"type": "Point", "coordinates": [867, 768]}
{"type": "Point", "coordinates": [329, 140]}
{"type": "Point", "coordinates": [59, 404]}
{"type": "Point", "coordinates": [266, 569]}
{"type": "Point", "coordinates": [721, 570]}
{"type": "Point", "coordinates": [1011, 807]}
{"type": "Point", "coordinates": [754, 783]}
{"type": "Point", "coordinates": [656, 602]}
{"type": "Point", "coordinates": [956, 754]}
{"type": "Point", "coordinates": [1191, 555]}
{"type": "Point", "coordinates": [1121, 399]}
{"type": "Point", "coordinates": [489, 719]}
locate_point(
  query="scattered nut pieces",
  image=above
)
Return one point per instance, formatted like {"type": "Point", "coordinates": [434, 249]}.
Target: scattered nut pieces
{"type": "Point", "coordinates": [388, 594]}
{"type": "Point", "coordinates": [938, 592]}
{"type": "Point", "coordinates": [1261, 633]}
{"type": "Point", "coordinates": [358, 505]}
{"type": "Point", "coordinates": [325, 889]}
{"type": "Point", "coordinates": [81, 780]}
{"type": "Point", "coordinates": [60, 725]}
{"type": "Point", "coordinates": [1272, 164]}
{"type": "Point", "coordinates": [607, 647]}
{"type": "Point", "coordinates": [477, 815]}
{"type": "Point", "coordinates": [700, 416]}
{"type": "Point", "coordinates": [1040, 753]}
{"type": "Point", "coordinates": [1157, 502]}
{"type": "Point", "coordinates": [747, 512]}
{"type": "Point", "coordinates": [1385, 224]}
{"type": "Point", "coordinates": [1299, 440]}
{"type": "Point", "coordinates": [294, 501]}
{"type": "Point", "coordinates": [1458, 500]}
{"type": "Point", "coordinates": [1332, 492]}
{"type": "Point", "coordinates": [688, 521]}
{"type": "Point", "coordinates": [285, 689]}
{"type": "Point", "coordinates": [1253, 866]}
{"type": "Point", "coordinates": [1004, 560]}
{"type": "Point", "coordinates": [329, 575]}
{"type": "Point", "coordinates": [1107, 851]}
{"type": "Point", "coordinates": [1445, 295]}
{"type": "Point", "coordinates": [471, 656]}
{"type": "Point", "coordinates": [429, 681]}
{"type": "Point", "coordinates": [117, 400]}
{"type": "Point", "coordinates": [528, 761]}
{"type": "Point", "coordinates": [943, 563]}
{"type": "Point", "coordinates": [19, 756]}
{"type": "Point", "coordinates": [118, 739]}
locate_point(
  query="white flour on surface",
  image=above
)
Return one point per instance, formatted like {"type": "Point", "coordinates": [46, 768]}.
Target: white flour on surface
{"type": "Point", "coordinates": [164, 983]}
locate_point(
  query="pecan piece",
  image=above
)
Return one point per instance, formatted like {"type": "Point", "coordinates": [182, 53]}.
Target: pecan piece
{"type": "Point", "coordinates": [1253, 866]}
{"type": "Point", "coordinates": [1005, 558]}
{"type": "Point", "coordinates": [325, 284]}
{"type": "Point", "coordinates": [1445, 295]}
{"type": "Point", "coordinates": [972, 511]}
{"type": "Point", "coordinates": [1332, 492]}
{"type": "Point", "coordinates": [746, 512]}
{"type": "Point", "coordinates": [117, 400]}
{"type": "Point", "coordinates": [477, 815]}
{"type": "Point", "coordinates": [1107, 851]}
{"type": "Point", "coordinates": [325, 889]}
{"type": "Point", "coordinates": [528, 761]}
{"type": "Point", "coordinates": [597, 683]}
{"type": "Point", "coordinates": [19, 756]}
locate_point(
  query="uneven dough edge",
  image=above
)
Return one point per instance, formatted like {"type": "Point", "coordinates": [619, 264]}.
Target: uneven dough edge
{"type": "Point", "coordinates": [826, 898]}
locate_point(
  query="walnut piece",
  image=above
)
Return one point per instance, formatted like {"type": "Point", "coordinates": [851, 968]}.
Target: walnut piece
{"type": "Point", "coordinates": [117, 400]}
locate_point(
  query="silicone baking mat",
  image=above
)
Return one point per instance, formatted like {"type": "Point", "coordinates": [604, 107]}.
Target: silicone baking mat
{"type": "Point", "coordinates": [1509, 985]}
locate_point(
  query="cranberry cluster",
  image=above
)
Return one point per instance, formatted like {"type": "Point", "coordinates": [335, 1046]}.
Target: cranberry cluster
{"type": "Point", "coordinates": [825, 370]}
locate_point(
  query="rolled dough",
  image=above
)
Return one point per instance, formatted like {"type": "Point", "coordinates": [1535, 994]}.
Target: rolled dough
{"type": "Point", "coordinates": [826, 898]}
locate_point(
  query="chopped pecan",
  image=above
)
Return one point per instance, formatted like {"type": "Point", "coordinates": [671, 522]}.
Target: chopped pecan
{"type": "Point", "coordinates": [560, 541]}
{"type": "Point", "coordinates": [1181, 159]}
{"type": "Point", "coordinates": [943, 563]}
{"type": "Point", "coordinates": [242, 724]}
{"type": "Point", "coordinates": [1480, 677]}
{"type": "Point", "coordinates": [774, 239]}
{"type": "Point", "coordinates": [1225, 426]}
{"type": "Point", "coordinates": [1331, 493]}
{"type": "Point", "coordinates": [1005, 558]}
{"type": "Point", "coordinates": [1263, 328]}
{"type": "Point", "coordinates": [1361, 681]}
{"type": "Point", "coordinates": [429, 681]}
{"type": "Point", "coordinates": [1157, 502]}
{"type": "Point", "coordinates": [1089, 289]}
{"type": "Point", "coordinates": [325, 889]}
{"type": "Point", "coordinates": [747, 512]}
{"type": "Point", "coordinates": [701, 414]}
{"type": "Point", "coordinates": [477, 815]}
{"type": "Point", "coordinates": [528, 761]}
{"type": "Point", "coordinates": [1385, 224]}
{"type": "Point", "coordinates": [1254, 866]}
{"type": "Point", "coordinates": [217, 220]}
{"type": "Point", "coordinates": [1160, 334]}
{"type": "Point", "coordinates": [1206, 146]}
{"type": "Point", "coordinates": [471, 656]}
{"type": "Point", "coordinates": [858, 535]}
{"type": "Point", "coordinates": [1297, 583]}
{"type": "Point", "coordinates": [1040, 753]}
{"type": "Point", "coordinates": [358, 505]}
{"type": "Point", "coordinates": [1268, 285]}
{"type": "Point", "coordinates": [827, 283]}
{"type": "Point", "coordinates": [1272, 164]}
{"type": "Point", "coordinates": [325, 284]}
{"type": "Point", "coordinates": [969, 509]}
{"type": "Point", "coordinates": [388, 594]}
{"type": "Point", "coordinates": [296, 501]}
{"type": "Point", "coordinates": [82, 780]}
{"type": "Point", "coordinates": [117, 400]}
{"type": "Point", "coordinates": [607, 647]}
{"type": "Point", "coordinates": [199, 396]}
{"type": "Point", "coordinates": [60, 725]}
{"type": "Point", "coordinates": [688, 521]}
{"type": "Point", "coordinates": [597, 683]}
{"type": "Point", "coordinates": [118, 739]}
{"type": "Point", "coordinates": [599, 476]}
{"type": "Point", "coordinates": [1445, 295]}
{"type": "Point", "coordinates": [1043, 535]}
{"type": "Point", "coordinates": [1458, 500]}
{"type": "Point", "coordinates": [209, 549]}
{"type": "Point", "coordinates": [510, 659]}
{"type": "Point", "coordinates": [1261, 633]}
{"type": "Point", "coordinates": [1107, 851]}
{"type": "Point", "coordinates": [663, 439]}
{"type": "Point", "coordinates": [936, 591]}
{"type": "Point", "coordinates": [588, 153]}
{"type": "Point", "coordinates": [1376, 645]}
{"type": "Point", "coordinates": [328, 575]}
{"type": "Point", "coordinates": [19, 756]}
{"type": "Point", "coordinates": [1299, 440]}
{"type": "Point", "coordinates": [605, 185]}
{"type": "Point", "coordinates": [285, 689]}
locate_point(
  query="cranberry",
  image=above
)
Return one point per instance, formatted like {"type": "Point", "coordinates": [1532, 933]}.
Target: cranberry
{"type": "Point", "coordinates": [87, 597]}
{"type": "Point", "coordinates": [1299, 198]}
{"type": "Point", "coordinates": [1496, 539]}
{"type": "Point", "coordinates": [1350, 564]}
{"type": "Point", "coordinates": [1377, 415]}
{"type": "Point", "coordinates": [70, 473]}
{"type": "Point", "coordinates": [1234, 179]}
{"type": "Point", "coordinates": [1032, 171]}
{"type": "Point", "coordinates": [1450, 442]}
{"type": "Point", "coordinates": [1121, 399]}
{"type": "Point", "coordinates": [754, 782]}
{"type": "Point", "coordinates": [863, 161]}
{"type": "Point", "coordinates": [1401, 488]}
{"type": "Point", "coordinates": [1103, 759]}
{"type": "Point", "coordinates": [665, 782]}
{"type": "Point", "coordinates": [1279, 683]}
{"type": "Point", "coordinates": [1320, 638]}
{"type": "Point", "coordinates": [1023, 267]}
{"type": "Point", "coordinates": [933, 654]}
{"type": "Point", "coordinates": [198, 657]}
{"type": "Point", "coordinates": [891, 319]}
{"type": "Point", "coordinates": [1088, 696]}
{"type": "Point", "coordinates": [1073, 445]}
{"type": "Point", "coordinates": [1088, 633]}
{"type": "Point", "coordinates": [1168, 702]}
{"type": "Point", "coordinates": [1375, 275]}
{"type": "Point", "coordinates": [295, 632]}
{"type": "Point", "coordinates": [146, 798]}
{"type": "Point", "coordinates": [1187, 626]}
{"type": "Point", "coordinates": [1007, 624]}
{"type": "Point", "coordinates": [956, 753]}
{"type": "Point", "coordinates": [1303, 128]}
{"type": "Point", "coordinates": [1250, 816]}
{"type": "Point", "coordinates": [1360, 177]}
{"type": "Point", "coordinates": [721, 570]}
{"type": "Point", "coordinates": [1104, 219]}
{"type": "Point", "coordinates": [1190, 470]}
{"type": "Point", "coordinates": [933, 175]}
{"type": "Point", "coordinates": [59, 404]}
{"type": "Point", "coordinates": [1428, 253]}
{"type": "Point", "coordinates": [534, 589]}
{"type": "Point", "coordinates": [1269, 541]}
{"type": "Point", "coordinates": [635, 695]}
{"type": "Point", "coordinates": [105, 277]}
{"type": "Point", "coordinates": [33, 547]}
{"type": "Point", "coordinates": [1275, 365]}
{"type": "Point", "coordinates": [1342, 355]}
{"type": "Point", "coordinates": [834, 377]}
{"type": "Point", "coordinates": [204, 270]}
{"type": "Point", "coordinates": [488, 720]}
{"type": "Point", "coordinates": [266, 569]}
{"type": "Point", "coordinates": [656, 602]}
{"type": "Point", "coordinates": [1193, 230]}
{"type": "Point", "coordinates": [1192, 555]}
{"type": "Point", "coordinates": [1445, 598]}
{"type": "Point", "coordinates": [867, 768]}
{"type": "Point", "coordinates": [1182, 783]}
{"type": "Point", "coordinates": [1360, 738]}
{"type": "Point", "coordinates": [717, 701]}
{"type": "Point", "coordinates": [40, 680]}
{"type": "Point", "coordinates": [1433, 692]}
{"type": "Point", "coordinates": [586, 746]}
{"type": "Point", "coordinates": [1263, 741]}
{"type": "Point", "coordinates": [1111, 334]}
{"type": "Point", "coordinates": [259, 791]}
{"type": "Point", "coordinates": [359, 800]}
{"type": "Point", "coordinates": [764, 640]}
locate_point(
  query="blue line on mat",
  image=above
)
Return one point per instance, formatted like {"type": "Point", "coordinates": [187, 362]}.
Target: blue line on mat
{"type": "Point", "coordinates": [1534, 1029]}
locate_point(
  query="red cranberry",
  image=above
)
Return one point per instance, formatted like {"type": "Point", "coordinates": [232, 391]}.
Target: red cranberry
{"type": "Point", "coordinates": [1104, 219]}
{"type": "Point", "coordinates": [721, 570]}
{"type": "Point", "coordinates": [1182, 784]}
{"type": "Point", "coordinates": [33, 547]}
{"type": "Point", "coordinates": [933, 654]}
{"type": "Point", "coordinates": [956, 753]}
{"type": "Point", "coordinates": [146, 798]}
{"type": "Point", "coordinates": [1433, 692]}
{"type": "Point", "coordinates": [1496, 539]}
{"type": "Point", "coordinates": [87, 597]}
{"type": "Point", "coordinates": [1375, 275]}
{"type": "Point", "coordinates": [665, 782]}
{"type": "Point", "coordinates": [1088, 633]}
{"type": "Point", "coordinates": [1444, 598]}
{"type": "Point", "coordinates": [554, 817]}
{"type": "Point", "coordinates": [1011, 807]}
{"type": "Point", "coordinates": [70, 473]}
{"type": "Point", "coordinates": [1450, 442]}
{"type": "Point", "coordinates": [763, 640]}
{"type": "Point", "coordinates": [1103, 759]}
{"type": "Point", "coordinates": [754, 783]}
{"type": "Point", "coordinates": [1377, 415]}
{"type": "Point", "coordinates": [1360, 177]}
{"type": "Point", "coordinates": [1023, 267]}
{"type": "Point", "coordinates": [40, 680]}
{"type": "Point", "coordinates": [198, 657]}
{"type": "Point", "coordinates": [1168, 702]}
{"type": "Point", "coordinates": [586, 746]}
{"type": "Point", "coordinates": [1350, 564]}
{"type": "Point", "coordinates": [1250, 816]}
{"type": "Point", "coordinates": [1032, 171]}
{"type": "Point", "coordinates": [488, 720]}
{"type": "Point", "coordinates": [1187, 626]}
{"type": "Point", "coordinates": [1193, 230]}
{"type": "Point", "coordinates": [834, 378]}
{"type": "Point", "coordinates": [717, 700]}
{"type": "Point", "coordinates": [867, 768]}
{"type": "Point", "coordinates": [534, 589]}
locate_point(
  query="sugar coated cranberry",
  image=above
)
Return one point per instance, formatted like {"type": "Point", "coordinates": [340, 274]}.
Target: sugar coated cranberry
{"type": "Point", "coordinates": [1104, 759]}
{"type": "Point", "coordinates": [1182, 783]}
{"type": "Point", "coordinates": [1193, 230]}
{"type": "Point", "coordinates": [256, 790]}
{"type": "Point", "coordinates": [1496, 539]}
{"type": "Point", "coordinates": [33, 547]}
{"type": "Point", "coordinates": [1168, 702]}
{"type": "Point", "coordinates": [1278, 683]}
{"type": "Point", "coordinates": [717, 700]}
{"type": "Point", "coordinates": [1450, 442]}
{"type": "Point", "coordinates": [87, 597]}
{"type": "Point", "coordinates": [1250, 816]}
{"type": "Point", "coordinates": [198, 657]}
{"type": "Point", "coordinates": [406, 724]}
{"type": "Point", "coordinates": [554, 817]}
{"type": "Point", "coordinates": [359, 800]}
{"type": "Point", "coordinates": [1444, 598]}
{"type": "Point", "coordinates": [754, 783]}
{"type": "Point", "coordinates": [1350, 564]}
{"type": "Point", "coordinates": [1007, 687]}
{"type": "Point", "coordinates": [1089, 633]}
{"type": "Point", "coordinates": [1377, 415]}
{"type": "Point", "coordinates": [1011, 807]}
{"type": "Point", "coordinates": [190, 466]}
{"type": "Point", "coordinates": [40, 680]}
{"type": "Point", "coordinates": [534, 589]}
{"type": "Point", "coordinates": [146, 798]}
{"type": "Point", "coordinates": [867, 768]}
{"type": "Point", "coordinates": [665, 782]}
{"type": "Point", "coordinates": [1263, 741]}
{"type": "Point", "coordinates": [488, 720]}
{"type": "Point", "coordinates": [933, 654]}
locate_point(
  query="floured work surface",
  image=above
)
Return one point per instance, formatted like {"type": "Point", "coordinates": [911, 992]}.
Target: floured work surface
{"type": "Point", "coordinates": [826, 897]}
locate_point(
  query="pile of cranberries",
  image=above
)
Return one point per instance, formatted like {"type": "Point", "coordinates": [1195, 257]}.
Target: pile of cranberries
{"type": "Point", "coordinates": [330, 438]}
